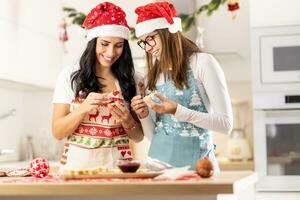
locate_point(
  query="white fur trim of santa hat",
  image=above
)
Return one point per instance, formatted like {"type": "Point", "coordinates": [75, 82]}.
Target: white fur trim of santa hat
{"type": "Point", "coordinates": [151, 25]}
{"type": "Point", "coordinates": [111, 30]}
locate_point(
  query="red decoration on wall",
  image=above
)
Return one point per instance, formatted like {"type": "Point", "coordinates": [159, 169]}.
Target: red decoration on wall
{"type": "Point", "coordinates": [233, 6]}
{"type": "Point", "coordinates": [63, 34]}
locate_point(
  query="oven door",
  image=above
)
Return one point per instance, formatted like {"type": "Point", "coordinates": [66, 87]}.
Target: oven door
{"type": "Point", "coordinates": [280, 58]}
{"type": "Point", "coordinates": [277, 149]}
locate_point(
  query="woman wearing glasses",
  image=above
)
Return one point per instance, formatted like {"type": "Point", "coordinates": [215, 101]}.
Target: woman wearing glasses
{"type": "Point", "coordinates": [190, 91]}
{"type": "Point", "coordinates": [91, 101]}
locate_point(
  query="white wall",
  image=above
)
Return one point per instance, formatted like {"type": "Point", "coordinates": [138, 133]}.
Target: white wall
{"type": "Point", "coordinates": [186, 8]}
{"type": "Point", "coordinates": [228, 40]}
{"type": "Point", "coordinates": [33, 117]}
{"type": "Point", "coordinates": [30, 49]}
{"type": "Point", "coordinates": [8, 38]}
{"type": "Point", "coordinates": [11, 127]}
{"type": "Point", "coordinates": [39, 106]}
{"type": "Point", "coordinates": [39, 52]}
{"type": "Point", "coordinates": [274, 12]}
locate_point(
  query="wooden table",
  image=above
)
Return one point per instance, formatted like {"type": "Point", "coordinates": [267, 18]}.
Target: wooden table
{"type": "Point", "coordinates": [228, 185]}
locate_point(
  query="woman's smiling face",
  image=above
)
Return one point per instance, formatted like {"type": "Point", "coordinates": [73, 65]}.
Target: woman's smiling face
{"type": "Point", "coordinates": [108, 50]}
{"type": "Point", "coordinates": [151, 43]}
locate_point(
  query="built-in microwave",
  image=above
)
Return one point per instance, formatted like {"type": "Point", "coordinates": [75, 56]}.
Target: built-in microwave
{"type": "Point", "coordinates": [276, 58]}
{"type": "Point", "coordinates": [280, 58]}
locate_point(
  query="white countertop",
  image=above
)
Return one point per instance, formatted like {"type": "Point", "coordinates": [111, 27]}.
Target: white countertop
{"type": "Point", "coordinates": [21, 164]}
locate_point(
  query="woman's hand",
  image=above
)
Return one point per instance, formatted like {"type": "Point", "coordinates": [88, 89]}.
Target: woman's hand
{"type": "Point", "coordinates": [139, 106]}
{"type": "Point", "coordinates": [166, 105]}
{"type": "Point", "coordinates": [121, 114]}
{"type": "Point", "coordinates": [93, 100]}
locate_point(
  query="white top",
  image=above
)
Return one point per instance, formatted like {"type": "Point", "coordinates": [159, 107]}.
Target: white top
{"type": "Point", "coordinates": [63, 92]}
{"type": "Point", "coordinates": [212, 84]}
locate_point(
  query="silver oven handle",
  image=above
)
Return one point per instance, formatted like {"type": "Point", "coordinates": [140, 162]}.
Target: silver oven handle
{"type": "Point", "coordinates": [277, 116]}
{"type": "Point", "coordinates": [277, 109]}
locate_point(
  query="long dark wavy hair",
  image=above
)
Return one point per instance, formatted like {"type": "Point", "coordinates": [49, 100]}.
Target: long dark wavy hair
{"type": "Point", "coordinates": [84, 80]}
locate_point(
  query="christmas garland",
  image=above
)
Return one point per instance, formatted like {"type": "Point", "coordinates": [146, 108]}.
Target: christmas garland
{"type": "Point", "coordinates": [188, 20]}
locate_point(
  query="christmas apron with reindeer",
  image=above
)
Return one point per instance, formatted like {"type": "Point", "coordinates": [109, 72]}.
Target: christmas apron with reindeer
{"type": "Point", "coordinates": [98, 141]}
{"type": "Point", "coordinates": [181, 143]}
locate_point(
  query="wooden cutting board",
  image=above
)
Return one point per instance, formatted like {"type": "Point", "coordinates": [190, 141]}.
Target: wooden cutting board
{"type": "Point", "coordinates": [138, 174]}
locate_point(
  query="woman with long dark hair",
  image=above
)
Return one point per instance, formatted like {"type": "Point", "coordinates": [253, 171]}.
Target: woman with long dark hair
{"type": "Point", "coordinates": [191, 97]}
{"type": "Point", "coordinates": [91, 102]}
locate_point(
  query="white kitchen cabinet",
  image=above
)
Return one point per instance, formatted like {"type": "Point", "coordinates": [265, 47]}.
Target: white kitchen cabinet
{"type": "Point", "coordinates": [228, 40]}
{"type": "Point", "coordinates": [8, 36]}
{"type": "Point", "coordinates": [274, 13]}
{"type": "Point", "coordinates": [31, 52]}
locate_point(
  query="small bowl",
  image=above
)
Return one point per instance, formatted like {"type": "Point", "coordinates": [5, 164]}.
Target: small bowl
{"type": "Point", "coordinates": [128, 166]}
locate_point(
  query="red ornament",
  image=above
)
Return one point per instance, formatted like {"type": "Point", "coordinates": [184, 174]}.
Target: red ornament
{"type": "Point", "coordinates": [233, 6]}
{"type": "Point", "coordinates": [39, 167]}
{"type": "Point", "coordinates": [63, 35]}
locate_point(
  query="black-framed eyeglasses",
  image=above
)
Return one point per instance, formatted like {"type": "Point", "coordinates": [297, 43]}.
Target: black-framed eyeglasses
{"type": "Point", "coordinates": [149, 40]}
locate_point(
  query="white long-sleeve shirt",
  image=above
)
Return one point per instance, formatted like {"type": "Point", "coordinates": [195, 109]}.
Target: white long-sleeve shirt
{"type": "Point", "coordinates": [212, 84]}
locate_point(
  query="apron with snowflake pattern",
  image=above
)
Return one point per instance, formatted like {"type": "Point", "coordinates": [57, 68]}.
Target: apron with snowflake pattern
{"type": "Point", "coordinates": [181, 143]}
{"type": "Point", "coordinates": [99, 141]}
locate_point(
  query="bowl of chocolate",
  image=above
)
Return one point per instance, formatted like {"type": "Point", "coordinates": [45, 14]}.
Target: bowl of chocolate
{"type": "Point", "coordinates": [128, 166]}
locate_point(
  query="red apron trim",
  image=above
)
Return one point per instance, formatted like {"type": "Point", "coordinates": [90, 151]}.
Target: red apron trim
{"type": "Point", "coordinates": [123, 147]}
{"type": "Point", "coordinates": [83, 147]}
{"type": "Point", "coordinates": [106, 144]}
{"type": "Point", "coordinates": [98, 131]}
{"type": "Point", "coordinates": [79, 101]}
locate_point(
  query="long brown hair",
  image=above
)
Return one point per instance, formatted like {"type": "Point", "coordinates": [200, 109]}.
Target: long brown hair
{"type": "Point", "coordinates": [175, 52]}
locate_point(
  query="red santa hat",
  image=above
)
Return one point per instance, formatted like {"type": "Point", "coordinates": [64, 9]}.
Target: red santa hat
{"type": "Point", "coordinates": [106, 19]}
{"type": "Point", "coordinates": [157, 15]}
